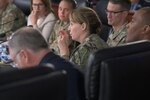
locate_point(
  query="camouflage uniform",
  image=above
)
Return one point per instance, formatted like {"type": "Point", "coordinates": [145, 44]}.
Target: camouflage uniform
{"type": "Point", "coordinates": [82, 52]}
{"type": "Point", "coordinates": [117, 38]}
{"type": "Point", "coordinates": [53, 38]}
{"type": "Point", "coordinates": [11, 19]}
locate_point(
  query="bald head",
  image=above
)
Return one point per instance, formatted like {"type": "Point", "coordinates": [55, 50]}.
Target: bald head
{"type": "Point", "coordinates": [139, 27]}
{"type": "Point", "coordinates": [145, 14]}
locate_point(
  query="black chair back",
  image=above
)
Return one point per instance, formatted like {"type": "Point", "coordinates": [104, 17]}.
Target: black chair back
{"type": "Point", "coordinates": [14, 74]}
{"type": "Point", "coordinates": [51, 86]}
{"type": "Point", "coordinates": [125, 78]}
{"type": "Point", "coordinates": [92, 75]}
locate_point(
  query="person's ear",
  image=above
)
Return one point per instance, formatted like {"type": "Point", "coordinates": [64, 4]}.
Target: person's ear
{"type": "Point", "coordinates": [24, 55]}
{"type": "Point", "coordinates": [146, 28]}
{"type": "Point", "coordinates": [84, 26]}
{"type": "Point", "coordinates": [126, 14]}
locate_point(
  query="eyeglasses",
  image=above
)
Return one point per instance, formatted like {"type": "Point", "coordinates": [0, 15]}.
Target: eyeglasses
{"type": "Point", "coordinates": [114, 12]}
{"type": "Point", "coordinates": [38, 5]}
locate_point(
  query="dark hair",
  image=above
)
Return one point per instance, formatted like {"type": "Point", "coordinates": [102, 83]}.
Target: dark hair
{"type": "Point", "coordinates": [27, 37]}
{"type": "Point", "coordinates": [72, 2]}
{"type": "Point", "coordinates": [126, 4]}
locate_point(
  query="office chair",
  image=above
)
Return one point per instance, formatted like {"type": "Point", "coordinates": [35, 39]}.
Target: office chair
{"type": "Point", "coordinates": [92, 74]}
{"type": "Point", "coordinates": [51, 86]}
{"type": "Point", "coordinates": [125, 78]}
{"type": "Point", "coordinates": [10, 75]}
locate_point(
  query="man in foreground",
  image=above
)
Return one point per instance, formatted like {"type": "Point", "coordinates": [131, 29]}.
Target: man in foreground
{"type": "Point", "coordinates": [28, 48]}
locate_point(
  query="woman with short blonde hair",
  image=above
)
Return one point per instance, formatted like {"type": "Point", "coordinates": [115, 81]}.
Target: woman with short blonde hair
{"type": "Point", "coordinates": [84, 26]}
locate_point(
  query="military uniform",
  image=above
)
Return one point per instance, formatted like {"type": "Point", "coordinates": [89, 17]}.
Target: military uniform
{"type": "Point", "coordinates": [60, 25]}
{"type": "Point", "coordinates": [11, 19]}
{"type": "Point", "coordinates": [117, 38]}
{"type": "Point", "coordinates": [82, 52]}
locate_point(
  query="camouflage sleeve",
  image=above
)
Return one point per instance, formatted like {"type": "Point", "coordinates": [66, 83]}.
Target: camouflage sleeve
{"type": "Point", "coordinates": [53, 42]}
{"type": "Point", "coordinates": [52, 36]}
{"type": "Point", "coordinates": [14, 19]}
{"type": "Point", "coordinates": [20, 19]}
{"type": "Point", "coordinates": [80, 56]}
{"type": "Point", "coordinates": [8, 23]}
{"type": "Point", "coordinates": [123, 40]}
{"type": "Point", "coordinates": [53, 39]}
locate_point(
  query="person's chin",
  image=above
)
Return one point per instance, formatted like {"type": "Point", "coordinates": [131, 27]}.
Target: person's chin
{"type": "Point", "coordinates": [72, 38]}
{"type": "Point", "coordinates": [109, 22]}
{"type": "Point", "coordinates": [127, 40]}
{"type": "Point", "coordinates": [62, 18]}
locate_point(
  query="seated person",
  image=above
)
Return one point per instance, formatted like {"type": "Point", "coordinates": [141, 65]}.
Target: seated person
{"type": "Point", "coordinates": [117, 15]}
{"type": "Point", "coordinates": [11, 18]}
{"type": "Point", "coordinates": [65, 7]}
{"type": "Point", "coordinates": [42, 17]}
{"type": "Point", "coordinates": [27, 48]}
{"type": "Point", "coordinates": [84, 24]}
{"type": "Point", "coordinates": [139, 27]}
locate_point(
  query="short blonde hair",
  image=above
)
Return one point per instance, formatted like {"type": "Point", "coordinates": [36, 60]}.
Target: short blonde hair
{"type": "Point", "coordinates": [88, 16]}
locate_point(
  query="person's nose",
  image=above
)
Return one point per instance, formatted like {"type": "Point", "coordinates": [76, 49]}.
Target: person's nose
{"type": "Point", "coordinates": [62, 11]}
{"type": "Point", "coordinates": [109, 15]}
{"type": "Point", "coordinates": [37, 7]}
